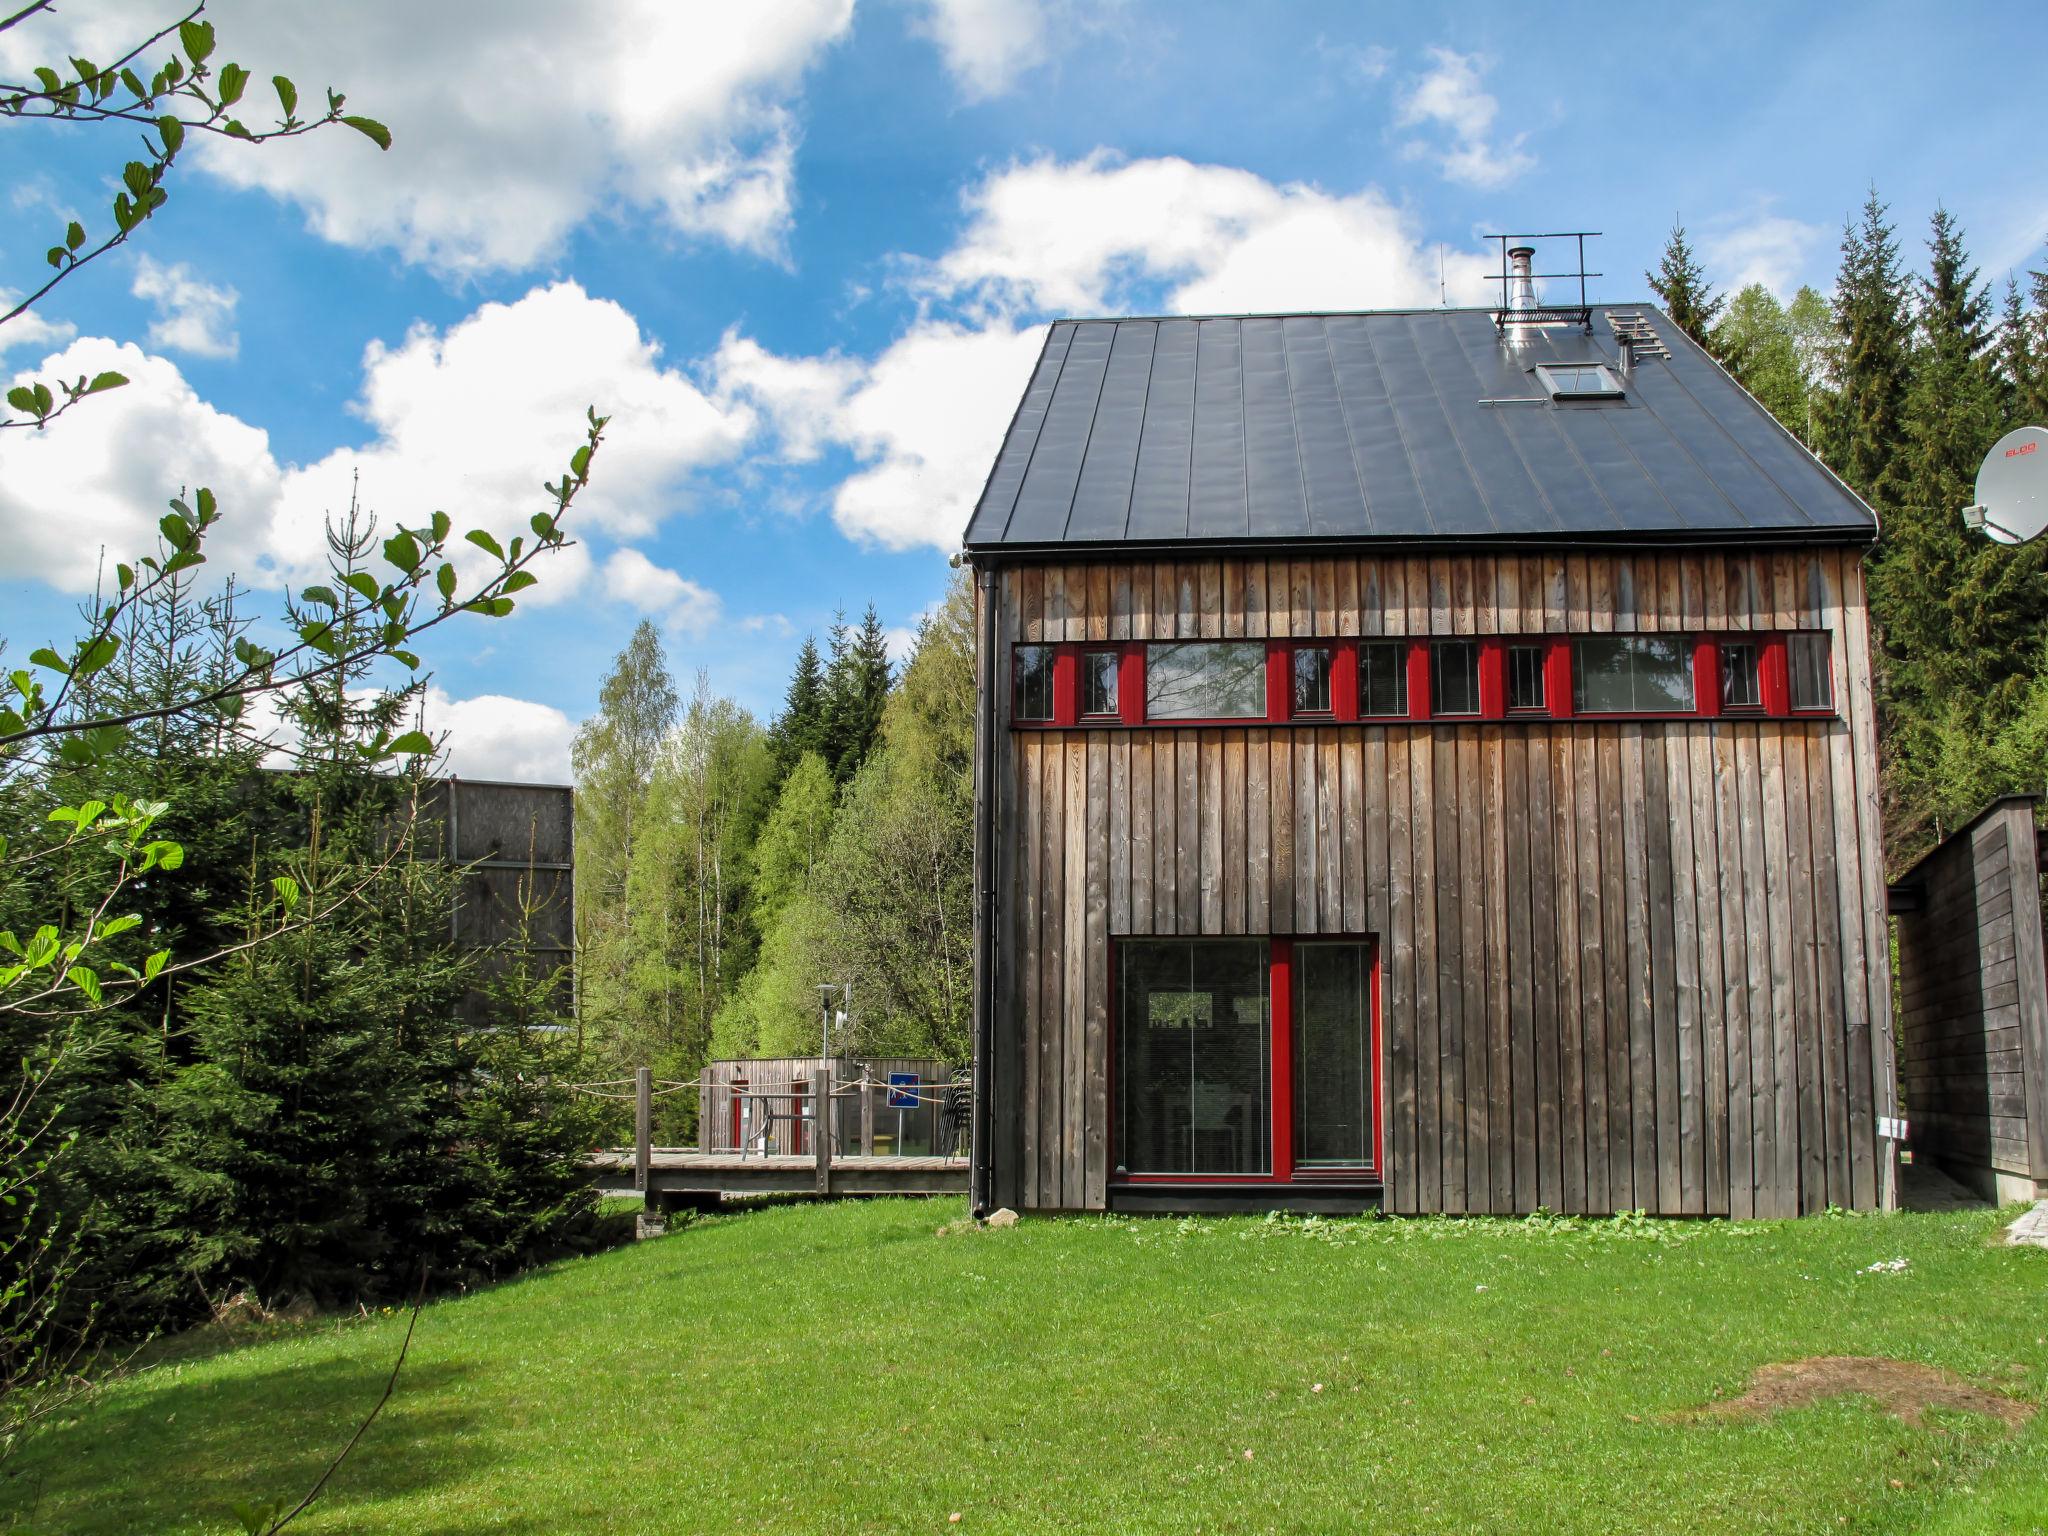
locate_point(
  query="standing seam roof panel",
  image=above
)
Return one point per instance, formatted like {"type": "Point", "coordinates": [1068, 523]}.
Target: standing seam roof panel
{"type": "Point", "coordinates": [1329, 469]}
{"type": "Point", "coordinates": [1393, 496]}
{"type": "Point", "coordinates": [1279, 505]}
{"type": "Point", "coordinates": [1454, 503]}
{"type": "Point", "coordinates": [1159, 500]}
{"type": "Point", "coordinates": [1217, 505]}
{"type": "Point", "coordinates": [1514, 503]}
{"type": "Point", "coordinates": [1372, 427]}
{"type": "Point", "coordinates": [1817, 495]}
{"type": "Point", "coordinates": [999, 497]}
{"type": "Point", "coordinates": [1577, 502]}
{"type": "Point", "coordinates": [1047, 499]}
{"type": "Point", "coordinates": [1102, 501]}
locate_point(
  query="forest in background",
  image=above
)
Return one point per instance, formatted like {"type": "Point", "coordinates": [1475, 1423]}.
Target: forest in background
{"type": "Point", "coordinates": [728, 867]}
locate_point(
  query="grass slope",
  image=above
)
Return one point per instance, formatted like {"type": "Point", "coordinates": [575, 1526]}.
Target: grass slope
{"type": "Point", "coordinates": [840, 1368]}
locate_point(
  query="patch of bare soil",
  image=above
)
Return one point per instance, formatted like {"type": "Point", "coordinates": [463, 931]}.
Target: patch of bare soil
{"type": "Point", "coordinates": [1903, 1388]}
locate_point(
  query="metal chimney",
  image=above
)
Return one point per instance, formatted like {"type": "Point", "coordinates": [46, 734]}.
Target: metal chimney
{"type": "Point", "coordinates": [1521, 287]}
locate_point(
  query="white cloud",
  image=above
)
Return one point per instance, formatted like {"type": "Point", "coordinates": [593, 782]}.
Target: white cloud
{"type": "Point", "coordinates": [986, 44]}
{"type": "Point", "coordinates": [633, 579]}
{"type": "Point", "coordinates": [492, 736]}
{"type": "Point", "coordinates": [513, 121]}
{"type": "Point", "coordinates": [1450, 99]}
{"type": "Point", "coordinates": [1357, 63]}
{"type": "Point", "coordinates": [1086, 235]}
{"type": "Point", "coordinates": [926, 416]}
{"type": "Point", "coordinates": [472, 420]}
{"type": "Point", "coordinates": [96, 481]}
{"type": "Point", "coordinates": [192, 315]}
{"type": "Point", "coordinates": [1771, 250]}
{"type": "Point", "coordinates": [30, 329]}
{"type": "Point", "coordinates": [469, 421]}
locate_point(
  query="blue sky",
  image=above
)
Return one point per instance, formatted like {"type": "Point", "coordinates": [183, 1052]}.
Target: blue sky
{"type": "Point", "coordinates": [803, 252]}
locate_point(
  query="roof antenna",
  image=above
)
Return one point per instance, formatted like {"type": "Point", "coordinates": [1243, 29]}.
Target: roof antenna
{"type": "Point", "coordinates": [1443, 296]}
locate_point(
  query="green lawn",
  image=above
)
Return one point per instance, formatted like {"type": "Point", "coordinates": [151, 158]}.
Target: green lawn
{"type": "Point", "coordinates": [841, 1368]}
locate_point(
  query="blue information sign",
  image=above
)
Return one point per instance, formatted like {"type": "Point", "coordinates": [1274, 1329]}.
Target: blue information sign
{"type": "Point", "coordinates": [903, 1090]}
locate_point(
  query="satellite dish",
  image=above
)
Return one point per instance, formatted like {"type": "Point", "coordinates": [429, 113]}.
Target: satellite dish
{"type": "Point", "coordinates": [2012, 487]}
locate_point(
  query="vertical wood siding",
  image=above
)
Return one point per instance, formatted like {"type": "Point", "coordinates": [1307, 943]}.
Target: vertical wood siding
{"type": "Point", "coordinates": [1634, 964]}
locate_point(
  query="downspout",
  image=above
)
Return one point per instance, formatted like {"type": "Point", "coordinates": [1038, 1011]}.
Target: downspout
{"type": "Point", "coordinates": [981, 1162]}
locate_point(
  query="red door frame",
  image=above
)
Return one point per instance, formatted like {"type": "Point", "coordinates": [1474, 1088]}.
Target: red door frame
{"type": "Point", "coordinates": [1280, 1047]}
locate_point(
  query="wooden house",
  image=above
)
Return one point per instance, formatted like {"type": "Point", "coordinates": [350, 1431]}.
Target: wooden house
{"type": "Point", "coordinates": [1425, 759]}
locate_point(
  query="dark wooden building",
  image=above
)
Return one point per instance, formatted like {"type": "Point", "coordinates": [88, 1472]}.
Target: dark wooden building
{"type": "Point", "coordinates": [1427, 759]}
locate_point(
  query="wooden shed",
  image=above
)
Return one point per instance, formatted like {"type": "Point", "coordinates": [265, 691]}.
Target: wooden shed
{"type": "Point", "coordinates": [1425, 759]}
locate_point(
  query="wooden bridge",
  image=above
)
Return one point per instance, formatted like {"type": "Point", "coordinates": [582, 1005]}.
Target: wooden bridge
{"type": "Point", "coordinates": [682, 1176]}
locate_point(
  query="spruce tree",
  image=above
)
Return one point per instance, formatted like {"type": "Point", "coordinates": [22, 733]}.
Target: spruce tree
{"type": "Point", "coordinates": [856, 690]}
{"type": "Point", "coordinates": [1863, 431]}
{"type": "Point", "coordinates": [800, 728]}
{"type": "Point", "coordinates": [1681, 283]}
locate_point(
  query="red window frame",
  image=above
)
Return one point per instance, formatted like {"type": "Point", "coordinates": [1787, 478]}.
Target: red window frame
{"type": "Point", "coordinates": [1280, 1053]}
{"type": "Point", "coordinates": [1773, 668]}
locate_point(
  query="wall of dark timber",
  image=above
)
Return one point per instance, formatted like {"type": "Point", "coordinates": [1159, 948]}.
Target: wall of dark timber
{"type": "Point", "coordinates": [1973, 1005]}
{"type": "Point", "coordinates": [1626, 965]}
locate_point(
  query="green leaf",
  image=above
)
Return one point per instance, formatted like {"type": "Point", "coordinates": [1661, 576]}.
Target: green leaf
{"type": "Point", "coordinates": [287, 94]}
{"type": "Point", "coordinates": [519, 581]}
{"type": "Point", "coordinates": [371, 129]}
{"type": "Point", "coordinates": [232, 82]}
{"type": "Point", "coordinates": [176, 531]}
{"type": "Point", "coordinates": [320, 637]}
{"type": "Point", "coordinates": [43, 656]}
{"type": "Point", "coordinates": [406, 658]}
{"type": "Point", "coordinates": [74, 235]}
{"type": "Point", "coordinates": [97, 655]}
{"type": "Point", "coordinates": [87, 981]}
{"type": "Point", "coordinates": [122, 924]}
{"type": "Point", "coordinates": [484, 542]}
{"type": "Point", "coordinates": [413, 744]}
{"type": "Point", "coordinates": [209, 509]}
{"type": "Point", "coordinates": [579, 462]}
{"type": "Point", "coordinates": [365, 585]}
{"type": "Point", "coordinates": [135, 176]}
{"type": "Point", "coordinates": [442, 524]}
{"type": "Point", "coordinates": [155, 964]}
{"type": "Point", "coordinates": [196, 38]}
{"type": "Point", "coordinates": [126, 574]}
{"type": "Point", "coordinates": [492, 607]}
{"type": "Point", "coordinates": [286, 890]}
{"type": "Point", "coordinates": [170, 855]}
{"type": "Point", "coordinates": [135, 86]}
{"type": "Point", "coordinates": [324, 596]}
{"type": "Point", "coordinates": [402, 550]}
{"type": "Point", "coordinates": [49, 79]}
{"type": "Point", "coordinates": [445, 580]}
{"type": "Point", "coordinates": [22, 398]}
{"type": "Point", "coordinates": [107, 380]}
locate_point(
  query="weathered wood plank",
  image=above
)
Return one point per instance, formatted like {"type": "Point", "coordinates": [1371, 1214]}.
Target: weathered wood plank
{"type": "Point", "coordinates": [1051, 948]}
{"type": "Point", "coordinates": [1258, 877]}
{"type": "Point", "coordinates": [1500, 1095]}
{"type": "Point", "coordinates": [1635, 898]}
{"type": "Point", "coordinates": [1429, 1186]}
{"type": "Point", "coordinates": [1454, 1095]}
{"type": "Point", "coordinates": [1401, 1024]}
{"type": "Point", "coordinates": [1092, 1103]}
{"type": "Point", "coordinates": [1073, 1046]}
{"type": "Point", "coordinates": [1211, 850]}
{"type": "Point", "coordinates": [1234, 827]}
{"type": "Point", "coordinates": [1543, 999]}
{"type": "Point", "coordinates": [1689, 1060]}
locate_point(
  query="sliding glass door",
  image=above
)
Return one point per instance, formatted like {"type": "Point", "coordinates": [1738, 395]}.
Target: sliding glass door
{"type": "Point", "coordinates": [1194, 1057]}
{"type": "Point", "coordinates": [1334, 1092]}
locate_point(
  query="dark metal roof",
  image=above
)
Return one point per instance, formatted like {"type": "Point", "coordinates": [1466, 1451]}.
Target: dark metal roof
{"type": "Point", "coordinates": [1389, 427]}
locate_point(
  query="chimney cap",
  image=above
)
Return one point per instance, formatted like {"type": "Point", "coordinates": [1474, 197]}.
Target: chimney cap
{"type": "Point", "coordinates": [1523, 251]}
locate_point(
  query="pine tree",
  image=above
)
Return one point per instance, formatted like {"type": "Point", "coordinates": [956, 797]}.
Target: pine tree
{"type": "Point", "coordinates": [856, 691]}
{"type": "Point", "coordinates": [1863, 431]}
{"type": "Point", "coordinates": [800, 728]}
{"type": "Point", "coordinates": [1682, 285]}
{"type": "Point", "coordinates": [338, 712]}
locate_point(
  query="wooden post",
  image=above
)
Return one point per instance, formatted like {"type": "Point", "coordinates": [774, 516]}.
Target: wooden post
{"type": "Point", "coordinates": [643, 1126]}
{"type": "Point", "coordinates": [821, 1125]}
{"type": "Point", "coordinates": [867, 1115]}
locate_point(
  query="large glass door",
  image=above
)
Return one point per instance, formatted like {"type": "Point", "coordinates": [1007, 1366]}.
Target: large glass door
{"type": "Point", "coordinates": [1335, 1104]}
{"type": "Point", "coordinates": [1194, 1067]}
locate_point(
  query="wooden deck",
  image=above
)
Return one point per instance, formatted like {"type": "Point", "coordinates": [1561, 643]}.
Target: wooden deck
{"type": "Point", "coordinates": [688, 1173]}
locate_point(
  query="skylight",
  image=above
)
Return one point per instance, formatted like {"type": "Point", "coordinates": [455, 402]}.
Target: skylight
{"type": "Point", "coordinates": [1579, 381]}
